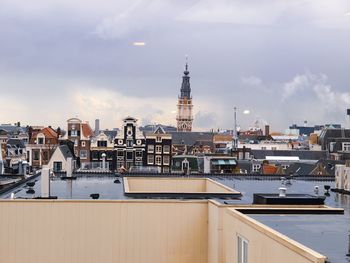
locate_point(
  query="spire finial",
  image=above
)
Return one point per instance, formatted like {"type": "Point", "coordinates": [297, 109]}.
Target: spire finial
{"type": "Point", "coordinates": [186, 72]}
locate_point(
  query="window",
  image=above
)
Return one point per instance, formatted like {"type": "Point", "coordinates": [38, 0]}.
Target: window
{"type": "Point", "coordinates": [101, 143]}
{"type": "Point", "coordinates": [166, 170]}
{"type": "Point", "coordinates": [263, 148]}
{"type": "Point", "coordinates": [129, 155]}
{"type": "Point", "coordinates": [150, 148]}
{"type": "Point", "coordinates": [150, 159]}
{"type": "Point", "coordinates": [158, 160]}
{"type": "Point", "coordinates": [242, 250]}
{"type": "Point", "coordinates": [273, 148]}
{"type": "Point", "coordinates": [36, 155]}
{"type": "Point", "coordinates": [40, 140]}
{"type": "Point", "coordinates": [95, 155]}
{"type": "Point", "coordinates": [129, 143]}
{"type": "Point", "coordinates": [346, 146]}
{"type": "Point", "coordinates": [158, 149]}
{"type": "Point", "coordinates": [158, 139]}
{"type": "Point", "coordinates": [166, 149]}
{"type": "Point", "coordinates": [83, 154]}
{"type": "Point", "coordinates": [120, 153]}
{"type": "Point", "coordinates": [166, 160]}
{"type": "Point", "coordinates": [82, 144]}
{"type": "Point", "coordinates": [109, 155]}
{"type": "Point", "coordinates": [57, 166]}
{"type": "Point", "coordinates": [256, 167]}
{"type": "Point", "coordinates": [138, 153]}
{"type": "Point", "coordinates": [73, 133]}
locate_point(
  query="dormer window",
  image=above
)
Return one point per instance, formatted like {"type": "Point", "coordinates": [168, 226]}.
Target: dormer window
{"type": "Point", "coordinates": [41, 140]}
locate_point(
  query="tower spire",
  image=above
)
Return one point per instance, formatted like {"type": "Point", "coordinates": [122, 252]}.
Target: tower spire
{"type": "Point", "coordinates": [184, 107]}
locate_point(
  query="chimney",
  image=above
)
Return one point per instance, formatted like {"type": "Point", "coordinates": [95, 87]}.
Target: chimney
{"type": "Point", "coordinates": [97, 126]}
{"type": "Point", "coordinates": [267, 130]}
{"type": "Point", "coordinates": [45, 182]}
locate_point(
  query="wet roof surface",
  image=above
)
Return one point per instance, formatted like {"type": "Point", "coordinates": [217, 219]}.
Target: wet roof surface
{"type": "Point", "coordinates": [327, 234]}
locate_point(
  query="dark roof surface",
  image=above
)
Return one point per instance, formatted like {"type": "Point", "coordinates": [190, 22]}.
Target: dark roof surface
{"type": "Point", "coordinates": [16, 142]}
{"type": "Point", "coordinates": [66, 151]}
{"type": "Point", "coordinates": [190, 138]}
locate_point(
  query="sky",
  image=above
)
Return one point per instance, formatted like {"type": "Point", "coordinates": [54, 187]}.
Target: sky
{"type": "Point", "coordinates": [283, 61]}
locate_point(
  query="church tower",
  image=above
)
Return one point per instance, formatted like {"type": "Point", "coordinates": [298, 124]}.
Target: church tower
{"type": "Point", "coordinates": [184, 116]}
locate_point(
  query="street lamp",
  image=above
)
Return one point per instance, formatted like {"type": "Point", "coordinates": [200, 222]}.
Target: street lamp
{"type": "Point", "coordinates": [234, 137]}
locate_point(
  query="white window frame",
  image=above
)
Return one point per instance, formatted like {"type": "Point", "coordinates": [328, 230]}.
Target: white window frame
{"type": "Point", "coordinates": [83, 156]}
{"type": "Point", "coordinates": [256, 167]}
{"type": "Point", "coordinates": [73, 133]}
{"type": "Point", "coordinates": [150, 148]}
{"type": "Point", "coordinates": [83, 144]}
{"type": "Point", "coordinates": [242, 249]}
{"type": "Point", "coordinates": [346, 146]}
{"type": "Point", "coordinates": [166, 160]}
{"type": "Point", "coordinates": [150, 159]}
{"type": "Point", "coordinates": [158, 149]}
{"type": "Point", "coordinates": [158, 160]}
{"type": "Point", "coordinates": [158, 139]}
{"type": "Point", "coordinates": [166, 149]}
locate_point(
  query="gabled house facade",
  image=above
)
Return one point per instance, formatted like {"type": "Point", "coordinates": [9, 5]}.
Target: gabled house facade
{"type": "Point", "coordinates": [80, 133]}
{"type": "Point", "coordinates": [15, 151]}
{"type": "Point", "coordinates": [42, 143]}
{"type": "Point", "coordinates": [129, 145]}
{"type": "Point", "coordinates": [102, 146]}
{"type": "Point", "coordinates": [158, 150]}
{"type": "Point", "coordinates": [336, 142]}
{"type": "Point", "coordinates": [59, 159]}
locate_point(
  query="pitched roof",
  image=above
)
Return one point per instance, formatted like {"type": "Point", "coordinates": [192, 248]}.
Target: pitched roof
{"type": "Point", "coordinates": [66, 151]}
{"type": "Point", "coordinates": [190, 138]}
{"type": "Point", "coordinates": [16, 142]}
{"type": "Point", "coordinates": [300, 168]}
{"type": "Point", "coordinates": [87, 131]}
{"type": "Point", "coordinates": [47, 131]}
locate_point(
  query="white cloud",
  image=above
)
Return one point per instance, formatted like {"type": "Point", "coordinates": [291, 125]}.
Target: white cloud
{"type": "Point", "coordinates": [309, 86]}
{"type": "Point", "coordinates": [299, 83]}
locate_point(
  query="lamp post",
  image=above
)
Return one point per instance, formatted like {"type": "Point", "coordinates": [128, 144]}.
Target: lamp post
{"type": "Point", "coordinates": [103, 161]}
{"type": "Point", "coordinates": [234, 137]}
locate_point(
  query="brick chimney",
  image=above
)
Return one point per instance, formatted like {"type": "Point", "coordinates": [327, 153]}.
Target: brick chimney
{"type": "Point", "coordinates": [267, 130]}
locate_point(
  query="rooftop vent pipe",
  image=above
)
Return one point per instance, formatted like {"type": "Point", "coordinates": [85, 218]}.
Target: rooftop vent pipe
{"type": "Point", "coordinates": [283, 191]}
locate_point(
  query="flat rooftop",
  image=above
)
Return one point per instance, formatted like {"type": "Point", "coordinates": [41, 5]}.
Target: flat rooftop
{"type": "Point", "coordinates": [191, 188]}
{"type": "Point", "coordinates": [327, 234]}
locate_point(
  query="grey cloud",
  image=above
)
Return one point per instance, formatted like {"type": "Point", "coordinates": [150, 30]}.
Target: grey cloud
{"type": "Point", "coordinates": [41, 53]}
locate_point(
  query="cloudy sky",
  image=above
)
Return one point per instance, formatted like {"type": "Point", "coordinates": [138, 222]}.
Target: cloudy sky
{"type": "Point", "coordinates": [284, 61]}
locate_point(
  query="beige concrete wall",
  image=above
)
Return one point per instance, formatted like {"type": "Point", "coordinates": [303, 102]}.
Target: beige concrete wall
{"type": "Point", "coordinates": [179, 185]}
{"type": "Point", "coordinates": [184, 185]}
{"type": "Point", "coordinates": [215, 187]}
{"type": "Point", "coordinates": [103, 231]}
{"type": "Point", "coordinates": [264, 244]}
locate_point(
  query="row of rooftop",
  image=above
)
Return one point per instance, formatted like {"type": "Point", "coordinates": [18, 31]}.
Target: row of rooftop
{"type": "Point", "coordinates": [161, 148]}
